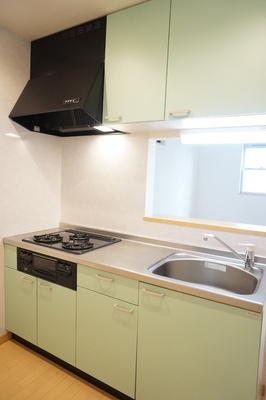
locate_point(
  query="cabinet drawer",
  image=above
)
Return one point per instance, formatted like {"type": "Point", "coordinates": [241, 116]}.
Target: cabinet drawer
{"type": "Point", "coordinates": [109, 284]}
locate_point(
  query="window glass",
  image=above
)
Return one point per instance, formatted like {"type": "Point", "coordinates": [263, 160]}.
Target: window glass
{"type": "Point", "coordinates": [253, 178]}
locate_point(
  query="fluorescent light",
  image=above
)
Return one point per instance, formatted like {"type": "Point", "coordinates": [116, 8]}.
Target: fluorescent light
{"type": "Point", "coordinates": [104, 129]}
{"type": "Point", "coordinates": [223, 135]}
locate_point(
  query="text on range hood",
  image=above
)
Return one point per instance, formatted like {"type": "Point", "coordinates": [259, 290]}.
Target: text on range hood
{"type": "Point", "coordinates": [64, 96]}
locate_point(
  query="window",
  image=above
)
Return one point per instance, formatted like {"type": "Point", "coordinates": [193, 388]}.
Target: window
{"type": "Point", "coordinates": [253, 176]}
{"type": "Point", "coordinates": [206, 182]}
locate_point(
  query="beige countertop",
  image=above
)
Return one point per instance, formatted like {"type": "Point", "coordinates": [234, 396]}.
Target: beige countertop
{"type": "Point", "coordinates": [132, 259]}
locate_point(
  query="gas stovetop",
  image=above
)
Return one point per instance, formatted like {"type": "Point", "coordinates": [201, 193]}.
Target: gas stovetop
{"type": "Point", "coordinates": [72, 241]}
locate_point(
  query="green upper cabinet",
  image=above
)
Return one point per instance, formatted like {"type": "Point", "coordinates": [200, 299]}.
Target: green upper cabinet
{"type": "Point", "coordinates": [217, 58]}
{"type": "Point", "coordinates": [166, 57]}
{"type": "Point", "coordinates": [136, 63]}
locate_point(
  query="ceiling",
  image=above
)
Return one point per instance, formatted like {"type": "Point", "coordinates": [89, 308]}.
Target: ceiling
{"type": "Point", "coordinates": [34, 19]}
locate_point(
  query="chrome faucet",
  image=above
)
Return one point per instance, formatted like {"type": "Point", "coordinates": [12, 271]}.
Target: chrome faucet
{"type": "Point", "coordinates": [249, 256]}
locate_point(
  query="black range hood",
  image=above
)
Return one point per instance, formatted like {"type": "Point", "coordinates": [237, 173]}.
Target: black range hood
{"type": "Point", "coordinates": [64, 96]}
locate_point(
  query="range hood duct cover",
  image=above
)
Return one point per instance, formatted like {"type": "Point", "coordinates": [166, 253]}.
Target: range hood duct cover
{"type": "Point", "coordinates": [64, 96]}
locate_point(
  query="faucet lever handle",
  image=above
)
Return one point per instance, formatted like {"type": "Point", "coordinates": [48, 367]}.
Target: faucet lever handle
{"type": "Point", "coordinates": [250, 255]}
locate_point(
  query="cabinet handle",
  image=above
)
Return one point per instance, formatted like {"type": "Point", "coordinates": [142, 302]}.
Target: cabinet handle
{"type": "Point", "coordinates": [179, 113]}
{"type": "Point", "coordinates": [116, 306]}
{"type": "Point", "coordinates": [113, 118]}
{"type": "Point", "coordinates": [153, 293]}
{"type": "Point", "coordinates": [102, 278]}
{"type": "Point", "coordinates": [45, 287]}
{"type": "Point", "coordinates": [26, 280]}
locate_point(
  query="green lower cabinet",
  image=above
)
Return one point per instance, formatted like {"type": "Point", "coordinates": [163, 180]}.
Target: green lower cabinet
{"type": "Point", "coordinates": [10, 256]}
{"type": "Point", "coordinates": [57, 320]}
{"type": "Point", "coordinates": [42, 313]}
{"type": "Point", "coordinates": [190, 348]}
{"type": "Point", "coordinates": [107, 339]}
{"type": "Point", "coordinates": [20, 304]}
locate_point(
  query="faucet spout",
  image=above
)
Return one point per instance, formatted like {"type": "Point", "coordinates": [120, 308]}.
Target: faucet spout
{"type": "Point", "coordinates": [250, 254]}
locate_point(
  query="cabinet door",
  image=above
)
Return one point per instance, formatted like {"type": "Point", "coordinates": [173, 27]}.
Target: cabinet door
{"type": "Point", "coordinates": [106, 340]}
{"type": "Point", "coordinates": [20, 304]}
{"type": "Point", "coordinates": [10, 256]}
{"type": "Point", "coordinates": [216, 62]}
{"type": "Point", "coordinates": [57, 320]}
{"type": "Point", "coordinates": [191, 348]}
{"type": "Point", "coordinates": [136, 62]}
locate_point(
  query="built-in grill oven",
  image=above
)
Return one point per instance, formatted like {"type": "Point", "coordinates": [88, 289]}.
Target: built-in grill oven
{"type": "Point", "coordinates": [61, 272]}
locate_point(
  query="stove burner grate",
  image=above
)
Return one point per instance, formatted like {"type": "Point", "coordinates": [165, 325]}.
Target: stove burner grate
{"type": "Point", "coordinates": [79, 237]}
{"type": "Point", "coordinates": [48, 238]}
{"type": "Point", "coordinates": [76, 245]}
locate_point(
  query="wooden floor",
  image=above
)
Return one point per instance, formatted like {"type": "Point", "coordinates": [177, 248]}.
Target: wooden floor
{"type": "Point", "coordinates": [25, 374]}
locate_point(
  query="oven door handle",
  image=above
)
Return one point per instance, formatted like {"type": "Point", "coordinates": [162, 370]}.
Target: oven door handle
{"type": "Point", "coordinates": [42, 271]}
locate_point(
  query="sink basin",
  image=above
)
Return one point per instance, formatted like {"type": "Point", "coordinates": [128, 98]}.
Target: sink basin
{"type": "Point", "coordinates": [209, 271]}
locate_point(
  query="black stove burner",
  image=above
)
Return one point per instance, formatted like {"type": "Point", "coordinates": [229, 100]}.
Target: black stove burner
{"type": "Point", "coordinates": [76, 245]}
{"type": "Point", "coordinates": [79, 237]}
{"type": "Point", "coordinates": [77, 241]}
{"type": "Point", "coordinates": [48, 238]}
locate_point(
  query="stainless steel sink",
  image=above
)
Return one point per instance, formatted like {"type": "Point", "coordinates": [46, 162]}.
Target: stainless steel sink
{"type": "Point", "coordinates": [211, 271]}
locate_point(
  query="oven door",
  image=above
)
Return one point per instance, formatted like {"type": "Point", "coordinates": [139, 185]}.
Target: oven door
{"type": "Point", "coordinates": [44, 267]}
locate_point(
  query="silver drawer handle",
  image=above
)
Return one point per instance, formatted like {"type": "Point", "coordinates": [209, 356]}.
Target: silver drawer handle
{"type": "Point", "coordinates": [113, 118]}
{"type": "Point", "coordinates": [179, 113]}
{"type": "Point", "coordinates": [26, 280]}
{"type": "Point", "coordinates": [153, 293]}
{"type": "Point", "coordinates": [102, 278]}
{"type": "Point", "coordinates": [45, 287]}
{"type": "Point", "coordinates": [116, 306]}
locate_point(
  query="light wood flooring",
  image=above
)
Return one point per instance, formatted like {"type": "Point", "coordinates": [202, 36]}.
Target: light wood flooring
{"type": "Point", "coordinates": [25, 374]}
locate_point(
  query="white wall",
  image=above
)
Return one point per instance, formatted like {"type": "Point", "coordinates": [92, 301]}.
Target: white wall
{"type": "Point", "coordinates": [175, 178]}
{"type": "Point", "coordinates": [30, 165]}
